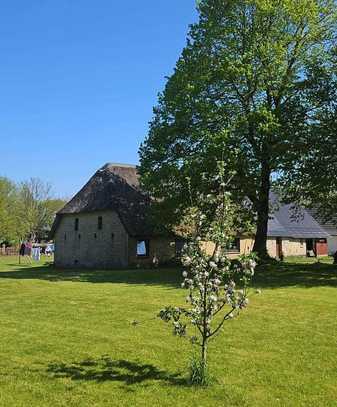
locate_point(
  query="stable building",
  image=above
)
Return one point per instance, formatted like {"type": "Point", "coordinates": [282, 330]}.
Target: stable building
{"type": "Point", "coordinates": [295, 233]}
{"type": "Point", "coordinates": [290, 233]}
{"type": "Point", "coordinates": [330, 227]}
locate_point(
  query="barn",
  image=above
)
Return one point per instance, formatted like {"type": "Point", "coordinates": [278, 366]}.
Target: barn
{"type": "Point", "coordinates": [108, 224]}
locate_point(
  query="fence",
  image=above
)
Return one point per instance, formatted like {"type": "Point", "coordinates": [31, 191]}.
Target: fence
{"type": "Point", "coordinates": [9, 251]}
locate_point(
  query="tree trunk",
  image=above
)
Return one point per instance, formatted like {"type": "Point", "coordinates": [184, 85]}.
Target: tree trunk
{"type": "Point", "coordinates": [260, 244]}
{"type": "Point", "coordinates": [204, 353]}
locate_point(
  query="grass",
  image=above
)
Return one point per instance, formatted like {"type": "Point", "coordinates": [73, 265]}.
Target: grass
{"type": "Point", "coordinates": [67, 340]}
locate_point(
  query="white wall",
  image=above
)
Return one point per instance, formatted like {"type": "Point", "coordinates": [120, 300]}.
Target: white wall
{"type": "Point", "coordinates": [332, 243]}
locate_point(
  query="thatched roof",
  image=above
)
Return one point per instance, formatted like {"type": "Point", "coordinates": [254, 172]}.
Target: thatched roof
{"type": "Point", "coordinates": [114, 187]}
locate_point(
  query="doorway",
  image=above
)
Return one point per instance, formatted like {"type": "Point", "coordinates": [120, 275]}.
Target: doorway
{"type": "Point", "coordinates": [310, 244]}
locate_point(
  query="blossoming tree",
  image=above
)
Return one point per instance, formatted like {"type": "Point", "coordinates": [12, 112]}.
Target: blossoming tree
{"type": "Point", "coordinates": [217, 286]}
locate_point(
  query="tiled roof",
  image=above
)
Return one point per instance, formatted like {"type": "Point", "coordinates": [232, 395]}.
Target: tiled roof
{"type": "Point", "coordinates": [330, 226]}
{"type": "Point", "coordinates": [286, 222]}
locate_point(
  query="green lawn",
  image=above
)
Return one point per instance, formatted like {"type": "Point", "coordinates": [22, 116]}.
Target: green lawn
{"type": "Point", "coordinates": [67, 340]}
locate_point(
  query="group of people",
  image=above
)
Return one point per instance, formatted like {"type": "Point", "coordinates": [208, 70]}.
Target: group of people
{"type": "Point", "coordinates": [34, 252]}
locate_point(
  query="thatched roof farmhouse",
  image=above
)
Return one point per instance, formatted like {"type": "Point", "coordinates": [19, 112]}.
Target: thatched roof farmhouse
{"type": "Point", "coordinates": [108, 224]}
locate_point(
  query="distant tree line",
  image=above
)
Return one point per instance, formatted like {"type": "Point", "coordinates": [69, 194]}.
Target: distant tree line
{"type": "Point", "coordinates": [27, 210]}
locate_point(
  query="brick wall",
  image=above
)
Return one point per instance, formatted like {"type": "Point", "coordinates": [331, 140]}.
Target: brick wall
{"type": "Point", "coordinates": [88, 246]}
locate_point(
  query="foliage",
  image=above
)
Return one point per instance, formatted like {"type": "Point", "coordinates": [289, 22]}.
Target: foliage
{"type": "Point", "coordinates": [37, 208]}
{"type": "Point", "coordinates": [313, 182]}
{"type": "Point", "coordinates": [242, 92]}
{"type": "Point", "coordinates": [217, 287]}
{"type": "Point", "coordinates": [27, 210]}
{"type": "Point", "coordinates": [198, 372]}
{"type": "Point", "coordinates": [9, 222]}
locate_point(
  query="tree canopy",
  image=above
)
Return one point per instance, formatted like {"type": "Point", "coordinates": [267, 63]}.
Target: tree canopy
{"type": "Point", "coordinates": [242, 92]}
{"type": "Point", "coordinates": [313, 181]}
{"type": "Point", "coordinates": [27, 210]}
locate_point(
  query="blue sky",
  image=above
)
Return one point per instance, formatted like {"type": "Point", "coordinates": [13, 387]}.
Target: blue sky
{"type": "Point", "coordinates": [79, 79]}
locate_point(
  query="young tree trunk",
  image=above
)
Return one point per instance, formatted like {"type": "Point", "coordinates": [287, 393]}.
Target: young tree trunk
{"type": "Point", "coordinates": [260, 244]}
{"type": "Point", "coordinates": [204, 353]}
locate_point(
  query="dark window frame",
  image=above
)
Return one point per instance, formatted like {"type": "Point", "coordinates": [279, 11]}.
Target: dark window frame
{"type": "Point", "coordinates": [76, 224]}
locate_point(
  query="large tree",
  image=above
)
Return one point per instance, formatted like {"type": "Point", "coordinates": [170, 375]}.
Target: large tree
{"type": "Point", "coordinates": [37, 207]}
{"type": "Point", "coordinates": [240, 93]}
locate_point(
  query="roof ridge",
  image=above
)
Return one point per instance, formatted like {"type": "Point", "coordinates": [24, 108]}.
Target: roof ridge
{"type": "Point", "coordinates": [120, 165]}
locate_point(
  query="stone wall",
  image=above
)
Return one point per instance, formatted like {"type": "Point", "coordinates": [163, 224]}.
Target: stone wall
{"type": "Point", "coordinates": [88, 246]}
{"type": "Point", "coordinates": [294, 247]}
{"type": "Point", "coordinates": [290, 247]}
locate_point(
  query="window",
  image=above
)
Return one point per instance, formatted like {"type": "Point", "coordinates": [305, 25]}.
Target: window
{"type": "Point", "coordinates": [76, 224]}
{"type": "Point", "coordinates": [143, 248]}
{"type": "Point", "coordinates": [100, 223]}
{"type": "Point", "coordinates": [234, 245]}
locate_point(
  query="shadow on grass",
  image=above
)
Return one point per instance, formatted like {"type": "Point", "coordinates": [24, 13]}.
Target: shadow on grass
{"type": "Point", "coordinates": [161, 276]}
{"type": "Point", "coordinates": [291, 273]}
{"type": "Point", "coordinates": [106, 369]}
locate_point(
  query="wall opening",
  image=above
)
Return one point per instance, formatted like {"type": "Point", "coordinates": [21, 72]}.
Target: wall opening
{"type": "Point", "coordinates": [100, 223]}
{"type": "Point", "coordinates": [143, 248]}
{"type": "Point", "coordinates": [234, 245]}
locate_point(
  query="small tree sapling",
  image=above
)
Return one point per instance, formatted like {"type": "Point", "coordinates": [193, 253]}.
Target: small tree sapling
{"type": "Point", "coordinates": [217, 286]}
